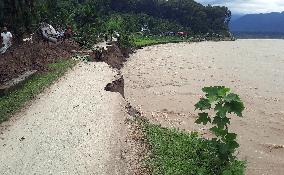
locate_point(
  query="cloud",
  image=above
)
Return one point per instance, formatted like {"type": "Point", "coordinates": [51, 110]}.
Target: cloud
{"type": "Point", "coordinates": [248, 6]}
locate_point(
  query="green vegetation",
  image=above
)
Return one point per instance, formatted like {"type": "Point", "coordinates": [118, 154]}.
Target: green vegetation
{"type": "Point", "coordinates": [15, 100]}
{"type": "Point", "coordinates": [179, 153]}
{"type": "Point", "coordinates": [221, 102]}
{"type": "Point", "coordinates": [91, 18]}
{"type": "Point", "coordinates": [141, 41]}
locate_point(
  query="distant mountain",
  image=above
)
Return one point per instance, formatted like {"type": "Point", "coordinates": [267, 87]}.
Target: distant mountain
{"type": "Point", "coordinates": [269, 23]}
{"type": "Point", "coordinates": [236, 17]}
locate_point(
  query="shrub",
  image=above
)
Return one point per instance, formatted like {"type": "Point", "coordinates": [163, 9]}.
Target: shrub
{"type": "Point", "coordinates": [221, 102]}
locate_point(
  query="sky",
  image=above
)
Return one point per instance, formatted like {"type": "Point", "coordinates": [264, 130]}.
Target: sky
{"type": "Point", "coordinates": [248, 6]}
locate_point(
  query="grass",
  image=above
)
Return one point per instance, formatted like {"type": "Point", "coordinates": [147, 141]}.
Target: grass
{"type": "Point", "coordinates": [178, 153]}
{"type": "Point", "coordinates": [15, 100]}
{"type": "Point", "coordinates": [142, 41]}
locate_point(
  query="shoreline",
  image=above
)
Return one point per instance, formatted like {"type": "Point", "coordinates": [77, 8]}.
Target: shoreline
{"type": "Point", "coordinates": [165, 81]}
{"type": "Point", "coordinates": [156, 75]}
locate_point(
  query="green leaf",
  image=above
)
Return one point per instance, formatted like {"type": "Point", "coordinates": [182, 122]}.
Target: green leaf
{"type": "Point", "coordinates": [233, 145]}
{"type": "Point", "coordinates": [203, 104]}
{"type": "Point", "coordinates": [235, 107]}
{"type": "Point", "coordinates": [221, 120]}
{"type": "Point", "coordinates": [231, 136]}
{"type": "Point", "coordinates": [225, 102]}
{"type": "Point", "coordinates": [212, 98]}
{"type": "Point", "coordinates": [203, 118]}
{"type": "Point", "coordinates": [224, 150]}
{"type": "Point", "coordinates": [221, 110]}
{"type": "Point", "coordinates": [232, 97]}
{"type": "Point", "coordinates": [218, 131]}
{"type": "Point", "coordinates": [223, 91]}
{"type": "Point", "coordinates": [219, 106]}
{"type": "Point", "coordinates": [216, 91]}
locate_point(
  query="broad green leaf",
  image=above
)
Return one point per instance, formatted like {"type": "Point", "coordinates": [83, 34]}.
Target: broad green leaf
{"type": "Point", "coordinates": [232, 97]}
{"type": "Point", "coordinates": [218, 131]}
{"type": "Point", "coordinates": [233, 145]}
{"type": "Point", "coordinates": [221, 110]}
{"type": "Point", "coordinates": [219, 106]}
{"type": "Point", "coordinates": [212, 98]}
{"type": "Point", "coordinates": [221, 121]}
{"type": "Point", "coordinates": [203, 104]}
{"type": "Point", "coordinates": [203, 118]}
{"type": "Point", "coordinates": [224, 149]}
{"type": "Point", "coordinates": [216, 91]}
{"type": "Point", "coordinates": [223, 91]}
{"type": "Point", "coordinates": [231, 136]}
{"type": "Point", "coordinates": [235, 107]}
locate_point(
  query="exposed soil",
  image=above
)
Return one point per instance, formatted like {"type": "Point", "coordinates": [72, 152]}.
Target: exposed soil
{"type": "Point", "coordinates": [114, 57]}
{"type": "Point", "coordinates": [126, 52]}
{"type": "Point", "coordinates": [116, 86]}
{"type": "Point", "coordinates": [132, 111]}
{"type": "Point", "coordinates": [32, 56]}
{"type": "Point", "coordinates": [137, 149]}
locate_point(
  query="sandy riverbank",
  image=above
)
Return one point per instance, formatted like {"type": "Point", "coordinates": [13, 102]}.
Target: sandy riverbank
{"type": "Point", "coordinates": [165, 81]}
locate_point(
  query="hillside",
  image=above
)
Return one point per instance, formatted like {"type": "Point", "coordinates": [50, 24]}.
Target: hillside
{"type": "Point", "coordinates": [269, 23]}
{"type": "Point", "coordinates": [90, 18]}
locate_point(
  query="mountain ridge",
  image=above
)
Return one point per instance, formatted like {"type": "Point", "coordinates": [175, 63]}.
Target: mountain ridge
{"type": "Point", "coordinates": [259, 23]}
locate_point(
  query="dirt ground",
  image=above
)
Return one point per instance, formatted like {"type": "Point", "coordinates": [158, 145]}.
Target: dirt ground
{"type": "Point", "coordinates": [114, 56]}
{"type": "Point", "coordinates": [75, 127]}
{"type": "Point", "coordinates": [165, 82]}
{"type": "Point", "coordinates": [33, 56]}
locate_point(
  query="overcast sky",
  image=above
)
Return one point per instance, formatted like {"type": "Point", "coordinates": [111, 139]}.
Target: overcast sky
{"type": "Point", "coordinates": [248, 6]}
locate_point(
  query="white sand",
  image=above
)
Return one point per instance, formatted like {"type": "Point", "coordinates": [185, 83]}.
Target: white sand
{"type": "Point", "coordinates": [166, 82]}
{"type": "Point", "coordinates": [74, 128]}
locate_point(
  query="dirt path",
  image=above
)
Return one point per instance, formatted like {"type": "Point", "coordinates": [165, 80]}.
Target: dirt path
{"type": "Point", "coordinates": [165, 82]}
{"type": "Point", "coordinates": [75, 127]}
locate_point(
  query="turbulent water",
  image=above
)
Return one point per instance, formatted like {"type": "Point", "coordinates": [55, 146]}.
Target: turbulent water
{"type": "Point", "coordinates": [165, 81]}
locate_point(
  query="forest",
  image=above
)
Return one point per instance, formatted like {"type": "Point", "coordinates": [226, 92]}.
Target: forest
{"type": "Point", "coordinates": [89, 18]}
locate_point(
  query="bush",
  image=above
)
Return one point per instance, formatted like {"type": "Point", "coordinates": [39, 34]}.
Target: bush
{"type": "Point", "coordinates": [126, 41]}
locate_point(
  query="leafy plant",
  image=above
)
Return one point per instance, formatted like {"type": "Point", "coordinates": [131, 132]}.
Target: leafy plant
{"type": "Point", "coordinates": [221, 102]}
{"type": "Point", "coordinates": [126, 41]}
{"type": "Point", "coordinates": [175, 152]}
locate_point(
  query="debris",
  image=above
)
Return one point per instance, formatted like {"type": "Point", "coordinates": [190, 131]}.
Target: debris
{"type": "Point", "coordinates": [22, 139]}
{"type": "Point", "coordinates": [84, 58]}
{"type": "Point", "coordinates": [273, 146]}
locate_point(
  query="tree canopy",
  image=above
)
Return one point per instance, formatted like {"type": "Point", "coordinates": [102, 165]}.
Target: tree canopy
{"type": "Point", "coordinates": [23, 16]}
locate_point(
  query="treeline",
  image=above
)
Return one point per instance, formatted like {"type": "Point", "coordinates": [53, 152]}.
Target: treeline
{"type": "Point", "coordinates": [91, 17]}
{"type": "Point", "coordinates": [188, 13]}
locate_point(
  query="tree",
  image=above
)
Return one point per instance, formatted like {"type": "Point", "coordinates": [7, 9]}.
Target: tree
{"type": "Point", "coordinates": [23, 16]}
